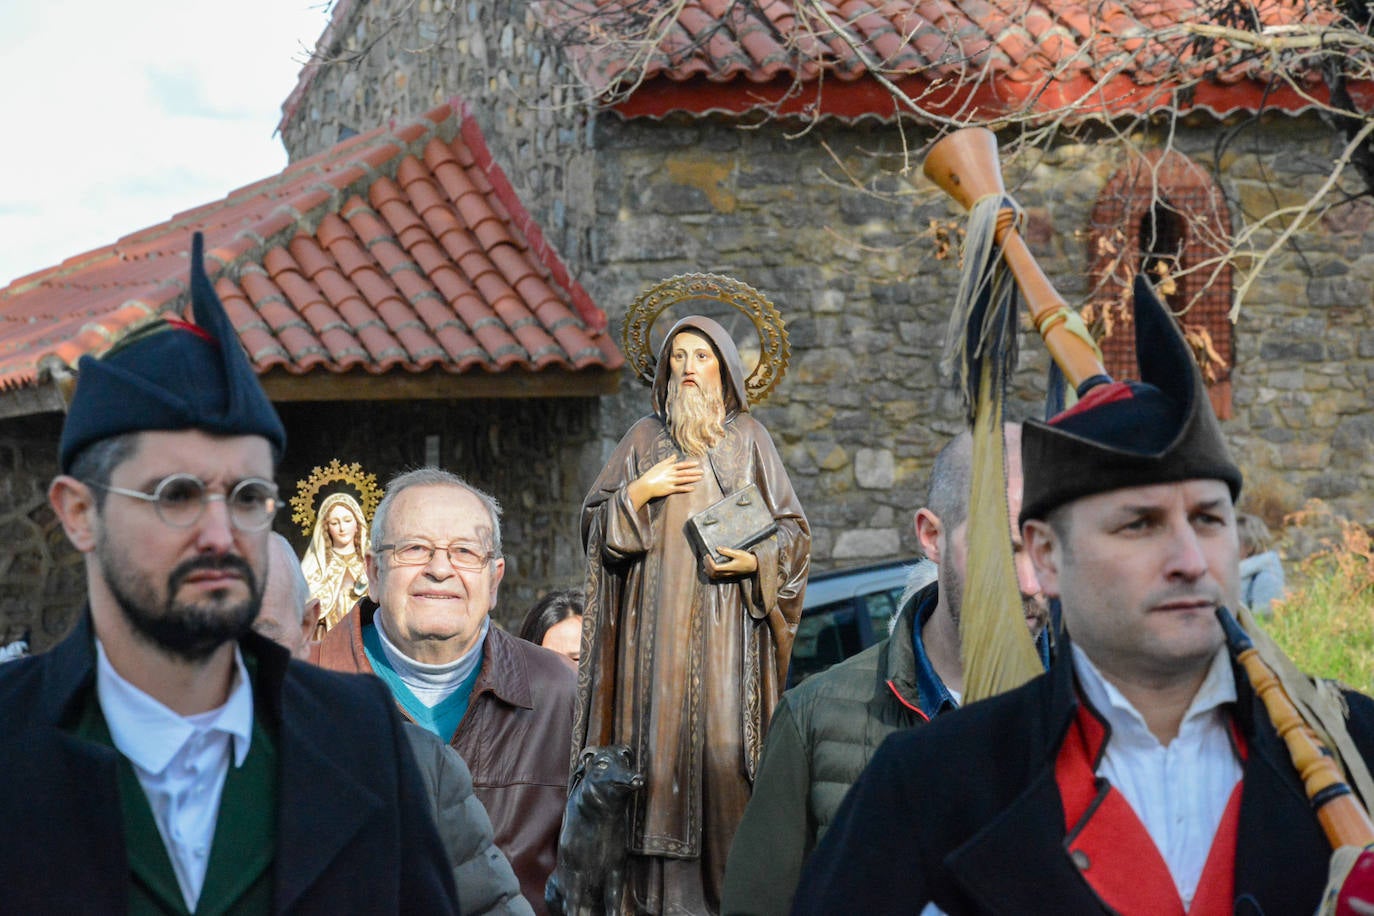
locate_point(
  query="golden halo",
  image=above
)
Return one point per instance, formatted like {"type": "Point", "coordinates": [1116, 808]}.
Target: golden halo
{"type": "Point", "coordinates": [362, 482]}
{"type": "Point", "coordinates": [774, 351]}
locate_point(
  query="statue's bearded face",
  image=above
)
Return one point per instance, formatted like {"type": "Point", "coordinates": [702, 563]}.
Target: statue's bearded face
{"type": "Point", "coordinates": [696, 403]}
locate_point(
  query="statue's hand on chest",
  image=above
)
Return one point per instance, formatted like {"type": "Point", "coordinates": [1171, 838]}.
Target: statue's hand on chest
{"type": "Point", "coordinates": [670, 476]}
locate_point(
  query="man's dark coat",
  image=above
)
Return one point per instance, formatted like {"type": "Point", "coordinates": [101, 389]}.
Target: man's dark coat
{"type": "Point", "coordinates": [965, 813]}
{"type": "Point", "coordinates": [354, 831]}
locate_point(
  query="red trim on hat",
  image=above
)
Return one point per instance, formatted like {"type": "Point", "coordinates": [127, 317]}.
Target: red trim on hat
{"type": "Point", "coordinates": [1102, 394]}
{"type": "Point", "coordinates": [193, 328]}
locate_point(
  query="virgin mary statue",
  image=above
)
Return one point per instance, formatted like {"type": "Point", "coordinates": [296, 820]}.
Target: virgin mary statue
{"type": "Point", "coordinates": [333, 563]}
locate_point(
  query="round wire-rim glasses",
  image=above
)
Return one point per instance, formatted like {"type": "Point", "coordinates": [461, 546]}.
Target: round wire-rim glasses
{"type": "Point", "coordinates": [180, 500]}
{"type": "Point", "coordinates": [419, 553]}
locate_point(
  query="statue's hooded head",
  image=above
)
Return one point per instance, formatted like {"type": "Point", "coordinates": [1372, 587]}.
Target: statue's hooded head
{"type": "Point", "coordinates": [732, 370]}
{"type": "Point", "coordinates": [172, 375]}
{"type": "Point", "coordinates": [695, 414]}
{"type": "Point", "coordinates": [1160, 429]}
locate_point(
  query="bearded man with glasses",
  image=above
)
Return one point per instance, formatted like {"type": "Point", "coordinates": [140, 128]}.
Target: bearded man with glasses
{"type": "Point", "coordinates": [434, 566]}
{"type": "Point", "coordinates": [164, 757]}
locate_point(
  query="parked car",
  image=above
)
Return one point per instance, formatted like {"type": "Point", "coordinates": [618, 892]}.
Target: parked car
{"type": "Point", "coordinates": [848, 610]}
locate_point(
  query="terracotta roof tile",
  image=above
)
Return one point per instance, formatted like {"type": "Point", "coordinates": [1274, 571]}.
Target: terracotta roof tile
{"type": "Point", "coordinates": [960, 58]}
{"type": "Point", "coordinates": [399, 250]}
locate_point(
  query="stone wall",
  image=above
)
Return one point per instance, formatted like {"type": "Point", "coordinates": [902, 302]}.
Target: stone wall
{"type": "Point", "coordinates": [1304, 422]}
{"type": "Point", "coordinates": [830, 224]}
{"type": "Point", "coordinates": [394, 60]}
{"type": "Point", "coordinates": [42, 581]}
{"type": "Point", "coordinates": [861, 411]}
{"type": "Point", "coordinates": [827, 226]}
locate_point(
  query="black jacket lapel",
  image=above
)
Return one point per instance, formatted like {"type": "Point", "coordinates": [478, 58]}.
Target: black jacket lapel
{"type": "Point", "coordinates": [321, 807]}
{"type": "Point", "coordinates": [1030, 834]}
{"type": "Point", "coordinates": [1281, 851]}
{"type": "Point", "coordinates": [71, 781]}
{"type": "Point", "coordinates": [1030, 831]}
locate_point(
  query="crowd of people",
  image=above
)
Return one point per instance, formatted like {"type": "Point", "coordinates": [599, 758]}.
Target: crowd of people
{"type": "Point", "coordinates": [203, 741]}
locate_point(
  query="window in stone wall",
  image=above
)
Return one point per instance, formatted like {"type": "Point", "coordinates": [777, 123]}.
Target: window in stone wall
{"type": "Point", "coordinates": [1163, 214]}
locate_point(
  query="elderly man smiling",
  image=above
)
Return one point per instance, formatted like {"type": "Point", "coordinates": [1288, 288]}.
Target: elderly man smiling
{"type": "Point", "coordinates": [434, 566]}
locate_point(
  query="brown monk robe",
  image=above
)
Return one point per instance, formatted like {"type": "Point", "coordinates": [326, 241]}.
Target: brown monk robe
{"type": "Point", "coordinates": [683, 659]}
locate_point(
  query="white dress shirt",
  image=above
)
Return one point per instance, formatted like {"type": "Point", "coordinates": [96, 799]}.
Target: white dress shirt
{"type": "Point", "coordinates": [1178, 791]}
{"type": "Point", "coordinates": [181, 761]}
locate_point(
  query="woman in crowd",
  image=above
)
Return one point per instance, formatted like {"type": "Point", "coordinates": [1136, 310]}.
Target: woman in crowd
{"type": "Point", "coordinates": [555, 622]}
{"type": "Point", "coordinates": [1261, 571]}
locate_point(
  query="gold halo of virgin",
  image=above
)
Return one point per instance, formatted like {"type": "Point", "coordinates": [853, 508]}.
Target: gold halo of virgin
{"type": "Point", "coordinates": [774, 351]}
{"type": "Point", "coordinates": [304, 503]}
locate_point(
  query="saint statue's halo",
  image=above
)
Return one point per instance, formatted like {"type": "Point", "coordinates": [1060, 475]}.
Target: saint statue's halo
{"type": "Point", "coordinates": [363, 483]}
{"type": "Point", "coordinates": [774, 351]}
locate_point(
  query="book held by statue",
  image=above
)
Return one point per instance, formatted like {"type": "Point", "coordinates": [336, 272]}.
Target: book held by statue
{"type": "Point", "coordinates": [739, 521]}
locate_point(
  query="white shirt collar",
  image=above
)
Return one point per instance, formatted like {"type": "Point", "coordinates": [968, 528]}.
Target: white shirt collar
{"type": "Point", "coordinates": [1217, 689]}
{"type": "Point", "coordinates": [150, 734]}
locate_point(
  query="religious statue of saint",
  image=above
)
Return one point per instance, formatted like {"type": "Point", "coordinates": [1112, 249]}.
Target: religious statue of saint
{"type": "Point", "coordinates": [333, 563]}
{"type": "Point", "coordinates": [684, 655]}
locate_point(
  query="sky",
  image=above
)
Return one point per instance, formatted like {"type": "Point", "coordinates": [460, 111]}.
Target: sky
{"type": "Point", "coordinates": [119, 115]}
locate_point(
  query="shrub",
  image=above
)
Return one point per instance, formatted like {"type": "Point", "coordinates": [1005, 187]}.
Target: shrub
{"type": "Point", "coordinates": [1326, 620]}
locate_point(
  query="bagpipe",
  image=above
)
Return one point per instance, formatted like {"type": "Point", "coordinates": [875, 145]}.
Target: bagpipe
{"type": "Point", "coordinates": [1343, 817]}
{"type": "Point", "coordinates": [980, 346]}
{"type": "Point", "coordinates": [964, 165]}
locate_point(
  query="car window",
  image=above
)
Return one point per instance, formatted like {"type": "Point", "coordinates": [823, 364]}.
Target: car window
{"type": "Point", "coordinates": [826, 635]}
{"type": "Point", "coordinates": [882, 608]}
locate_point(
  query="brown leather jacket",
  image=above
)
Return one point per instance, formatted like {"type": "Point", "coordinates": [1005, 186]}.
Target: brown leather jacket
{"type": "Point", "coordinates": [514, 737]}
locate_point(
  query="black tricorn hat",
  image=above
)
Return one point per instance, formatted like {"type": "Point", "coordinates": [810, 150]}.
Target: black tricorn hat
{"type": "Point", "coordinates": [1160, 429]}
{"type": "Point", "coordinates": [172, 375]}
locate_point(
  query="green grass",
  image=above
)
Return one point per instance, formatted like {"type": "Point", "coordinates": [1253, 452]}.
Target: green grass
{"type": "Point", "coordinates": [1326, 621]}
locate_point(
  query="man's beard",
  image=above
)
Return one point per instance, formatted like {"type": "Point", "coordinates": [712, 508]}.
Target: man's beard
{"type": "Point", "coordinates": [189, 631]}
{"type": "Point", "coordinates": [696, 418]}
{"type": "Point", "coordinates": [952, 589]}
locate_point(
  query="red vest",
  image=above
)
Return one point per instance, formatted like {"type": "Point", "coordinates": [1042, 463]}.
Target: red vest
{"type": "Point", "coordinates": [1112, 848]}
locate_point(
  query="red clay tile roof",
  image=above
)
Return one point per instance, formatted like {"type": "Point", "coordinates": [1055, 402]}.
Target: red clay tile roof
{"type": "Point", "coordinates": [401, 250]}
{"type": "Point", "coordinates": [960, 59]}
